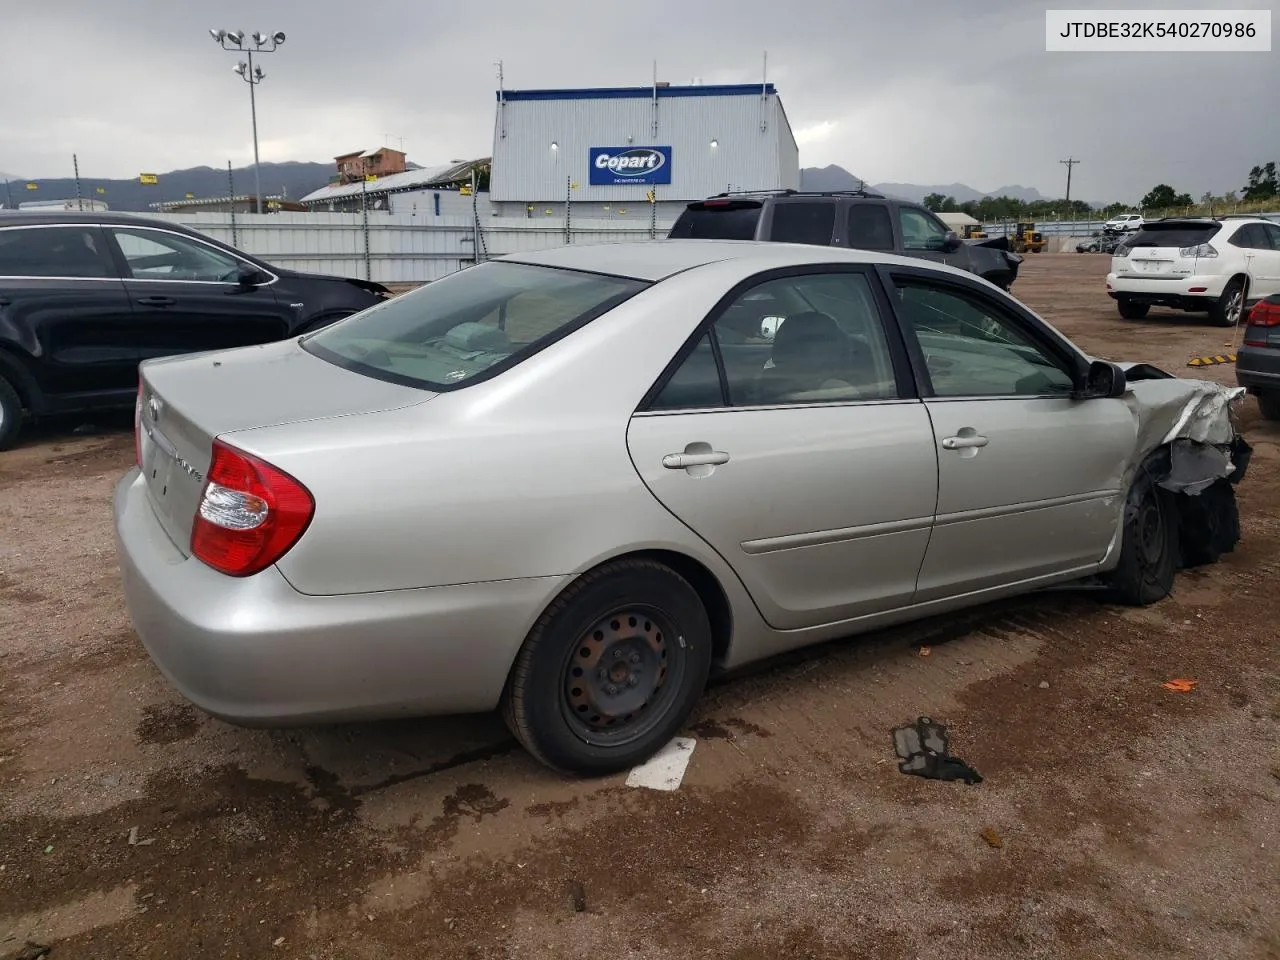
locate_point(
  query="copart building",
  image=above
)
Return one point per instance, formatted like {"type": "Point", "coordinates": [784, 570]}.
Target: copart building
{"type": "Point", "coordinates": [611, 152]}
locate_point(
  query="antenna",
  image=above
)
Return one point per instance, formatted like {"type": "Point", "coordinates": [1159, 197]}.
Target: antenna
{"type": "Point", "coordinates": [502, 102]}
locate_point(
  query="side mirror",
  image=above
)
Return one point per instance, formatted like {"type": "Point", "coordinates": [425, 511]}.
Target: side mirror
{"type": "Point", "coordinates": [1102, 380]}
{"type": "Point", "coordinates": [950, 242]}
{"type": "Point", "coordinates": [769, 327]}
{"type": "Point", "coordinates": [247, 275]}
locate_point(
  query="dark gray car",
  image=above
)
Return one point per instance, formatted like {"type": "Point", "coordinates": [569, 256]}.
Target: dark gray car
{"type": "Point", "coordinates": [1258, 360]}
{"type": "Point", "coordinates": [859, 219]}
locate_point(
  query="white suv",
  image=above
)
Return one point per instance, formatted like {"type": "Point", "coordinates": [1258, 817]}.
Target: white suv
{"type": "Point", "coordinates": [1124, 222]}
{"type": "Point", "coordinates": [1198, 264]}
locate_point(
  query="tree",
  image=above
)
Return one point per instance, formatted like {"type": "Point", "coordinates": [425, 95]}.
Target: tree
{"type": "Point", "coordinates": [1263, 183]}
{"type": "Point", "coordinates": [934, 202]}
{"type": "Point", "coordinates": [1162, 196]}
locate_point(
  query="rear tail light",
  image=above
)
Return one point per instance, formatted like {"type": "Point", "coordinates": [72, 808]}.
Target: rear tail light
{"type": "Point", "coordinates": [1203, 251]}
{"type": "Point", "coordinates": [250, 513]}
{"type": "Point", "coordinates": [137, 425]}
{"type": "Point", "coordinates": [1265, 314]}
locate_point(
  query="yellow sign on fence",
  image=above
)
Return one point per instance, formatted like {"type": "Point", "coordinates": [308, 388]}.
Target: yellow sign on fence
{"type": "Point", "coordinates": [148, 178]}
{"type": "Point", "coordinates": [33, 186]}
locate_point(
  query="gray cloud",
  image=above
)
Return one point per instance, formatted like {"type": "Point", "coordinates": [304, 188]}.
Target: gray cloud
{"type": "Point", "coordinates": [915, 91]}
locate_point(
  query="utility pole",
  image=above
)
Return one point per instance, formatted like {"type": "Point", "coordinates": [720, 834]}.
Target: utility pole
{"type": "Point", "coordinates": [1069, 163]}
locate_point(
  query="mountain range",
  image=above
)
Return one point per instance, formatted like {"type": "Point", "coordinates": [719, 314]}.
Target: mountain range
{"type": "Point", "coordinates": [292, 180]}
{"type": "Point", "coordinates": [837, 178]}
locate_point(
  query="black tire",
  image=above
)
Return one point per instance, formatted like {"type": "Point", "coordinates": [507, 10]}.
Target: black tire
{"type": "Point", "coordinates": [10, 414]}
{"type": "Point", "coordinates": [1208, 524]}
{"type": "Point", "coordinates": [1269, 405]}
{"type": "Point", "coordinates": [1228, 309]}
{"type": "Point", "coordinates": [577, 711]}
{"type": "Point", "coordinates": [1132, 311]}
{"type": "Point", "coordinates": [1149, 555]}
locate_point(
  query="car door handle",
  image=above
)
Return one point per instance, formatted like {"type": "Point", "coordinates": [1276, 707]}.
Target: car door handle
{"type": "Point", "coordinates": [681, 461]}
{"type": "Point", "coordinates": [157, 301]}
{"type": "Point", "coordinates": [961, 443]}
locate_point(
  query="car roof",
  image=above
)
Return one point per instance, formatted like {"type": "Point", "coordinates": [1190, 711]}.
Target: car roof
{"type": "Point", "coordinates": [655, 260]}
{"type": "Point", "coordinates": [36, 218]}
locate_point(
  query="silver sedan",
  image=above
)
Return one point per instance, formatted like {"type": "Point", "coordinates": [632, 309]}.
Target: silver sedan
{"type": "Point", "coordinates": [573, 483]}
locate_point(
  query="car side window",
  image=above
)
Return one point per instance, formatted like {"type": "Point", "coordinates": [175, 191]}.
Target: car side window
{"type": "Point", "coordinates": [1273, 232]}
{"type": "Point", "coordinates": [803, 222]}
{"type": "Point", "coordinates": [157, 255]}
{"type": "Point", "coordinates": [869, 227]}
{"type": "Point", "coordinates": [972, 348]}
{"type": "Point", "coordinates": [72, 251]}
{"type": "Point", "coordinates": [816, 338]}
{"type": "Point", "coordinates": [920, 231]}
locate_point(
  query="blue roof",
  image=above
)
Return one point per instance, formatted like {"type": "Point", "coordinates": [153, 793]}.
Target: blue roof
{"type": "Point", "coordinates": [636, 93]}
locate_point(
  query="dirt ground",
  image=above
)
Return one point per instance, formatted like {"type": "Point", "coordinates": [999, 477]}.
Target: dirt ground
{"type": "Point", "coordinates": [1125, 820]}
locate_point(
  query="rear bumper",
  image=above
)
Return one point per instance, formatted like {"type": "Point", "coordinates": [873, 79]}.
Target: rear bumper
{"type": "Point", "coordinates": [1258, 368]}
{"type": "Point", "coordinates": [1184, 293]}
{"type": "Point", "coordinates": [255, 652]}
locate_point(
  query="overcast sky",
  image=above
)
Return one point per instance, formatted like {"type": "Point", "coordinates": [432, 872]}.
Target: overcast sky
{"type": "Point", "coordinates": [921, 91]}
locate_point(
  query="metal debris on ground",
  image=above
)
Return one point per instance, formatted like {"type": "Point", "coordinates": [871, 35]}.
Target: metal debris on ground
{"type": "Point", "coordinates": [993, 839]}
{"type": "Point", "coordinates": [135, 842]}
{"type": "Point", "coordinates": [925, 651]}
{"type": "Point", "coordinates": [1211, 360]}
{"type": "Point", "coordinates": [1179, 685]}
{"type": "Point", "coordinates": [922, 747]}
{"type": "Point", "coordinates": [665, 769]}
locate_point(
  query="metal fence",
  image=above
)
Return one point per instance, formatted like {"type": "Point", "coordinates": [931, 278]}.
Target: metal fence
{"type": "Point", "coordinates": [398, 248]}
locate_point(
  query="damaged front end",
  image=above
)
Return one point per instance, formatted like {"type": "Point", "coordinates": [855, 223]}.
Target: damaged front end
{"type": "Point", "coordinates": [1189, 443]}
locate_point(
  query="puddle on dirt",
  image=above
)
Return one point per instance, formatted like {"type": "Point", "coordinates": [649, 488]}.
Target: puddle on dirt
{"type": "Point", "coordinates": [168, 723]}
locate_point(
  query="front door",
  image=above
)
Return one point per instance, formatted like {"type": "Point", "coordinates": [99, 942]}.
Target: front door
{"type": "Point", "coordinates": [63, 303]}
{"type": "Point", "coordinates": [187, 292]}
{"type": "Point", "coordinates": [924, 237]}
{"type": "Point", "coordinates": [790, 440]}
{"type": "Point", "coordinates": [1030, 481]}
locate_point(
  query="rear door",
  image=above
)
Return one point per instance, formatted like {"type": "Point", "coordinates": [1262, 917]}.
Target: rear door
{"type": "Point", "coordinates": [809, 221]}
{"type": "Point", "coordinates": [62, 302]}
{"type": "Point", "coordinates": [868, 226]}
{"type": "Point", "coordinates": [185, 293]}
{"type": "Point", "coordinates": [1030, 481]}
{"type": "Point", "coordinates": [797, 448]}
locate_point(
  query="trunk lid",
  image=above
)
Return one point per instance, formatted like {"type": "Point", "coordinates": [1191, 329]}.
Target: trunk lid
{"type": "Point", "coordinates": [1162, 250]}
{"type": "Point", "coordinates": [186, 401]}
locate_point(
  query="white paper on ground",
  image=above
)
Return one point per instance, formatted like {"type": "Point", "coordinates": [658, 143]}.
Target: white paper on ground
{"type": "Point", "coordinates": [665, 769]}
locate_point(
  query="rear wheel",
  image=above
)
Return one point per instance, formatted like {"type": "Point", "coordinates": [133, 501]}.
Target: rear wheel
{"type": "Point", "coordinates": [1269, 405]}
{"type": "Point", "coordinates": [611, 670]}
{"type": "Point", "coordinates": [1149, 545]}
{"type": "Point", "coordinates": [1227, 310]}
{"type": "Point", "coordinates": [10, 414]}
{"type": "Point", "coordinates": [1131, 310]}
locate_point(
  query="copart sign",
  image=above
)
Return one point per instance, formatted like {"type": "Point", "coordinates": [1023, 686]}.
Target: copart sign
{"type": "Point", "coordinates": [610, 166]}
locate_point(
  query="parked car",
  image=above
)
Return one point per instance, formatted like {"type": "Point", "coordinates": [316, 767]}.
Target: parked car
{"type": "Point", "coordinates": [860, 219]}
{"type": "Point", "coordinates": [1197, 264]}
{"type": "Point", "coordinates": [573, 482]}
{"type": "Point", "coordinates": [1124, 223]}
{"type": "Point", "coordinates": [1258, 359]}
{"type": "Point", "coordinates": [84, 297]}
{"type": "Point", "coordinates": [1099, 243]}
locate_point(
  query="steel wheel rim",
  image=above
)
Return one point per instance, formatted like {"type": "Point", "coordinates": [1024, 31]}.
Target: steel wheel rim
{"type": "Point", "coordinates": [619, 674]}
{"type": "Point", "coordinates": [1151, 534]}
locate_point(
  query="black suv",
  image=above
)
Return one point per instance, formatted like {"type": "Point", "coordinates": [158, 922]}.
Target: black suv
{"type": "Point", "coordinates": [85, 297]}
{"type": "Point", "coordinates": [857, 218]}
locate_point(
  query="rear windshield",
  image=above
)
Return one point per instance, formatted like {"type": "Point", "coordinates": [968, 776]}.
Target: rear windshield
{"type": "Point", "coordinates": [1172, 234]}
{"type": "Point", "coordinates": [469, 326]}
{"type": "Point", "coordinates": [729, 222]}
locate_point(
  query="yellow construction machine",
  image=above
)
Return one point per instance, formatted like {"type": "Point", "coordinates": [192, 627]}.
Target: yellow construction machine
{"type": "Point", "coordinates": [1026, 239]}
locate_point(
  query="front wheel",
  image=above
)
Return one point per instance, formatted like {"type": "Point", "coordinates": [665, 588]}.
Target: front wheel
{"type": "Point", "coordinates": [611, 670]}
{"type": "Point", "coordinates": [1132, 311]}
{"type": "Point", "coordinates": [1148, 545]}
{"type": "Point", "coordinates": [10, 414]}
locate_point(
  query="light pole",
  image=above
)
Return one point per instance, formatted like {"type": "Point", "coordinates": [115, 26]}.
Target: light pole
{"type": "Point", "coordinates": [235, 41]}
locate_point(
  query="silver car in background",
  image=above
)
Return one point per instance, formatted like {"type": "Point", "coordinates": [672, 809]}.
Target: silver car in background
{"type": "Point", "coordinates": [573, 483]}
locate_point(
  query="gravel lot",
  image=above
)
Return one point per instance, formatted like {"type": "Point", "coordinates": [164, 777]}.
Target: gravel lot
{"type": "Point", "coordinates": [1132, 821]}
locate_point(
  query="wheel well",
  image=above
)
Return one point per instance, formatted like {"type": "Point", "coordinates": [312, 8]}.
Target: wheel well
{"type": "Point", "coordinates": [12, 370]}
{"type": "Point", "coordinates": [709, 592]}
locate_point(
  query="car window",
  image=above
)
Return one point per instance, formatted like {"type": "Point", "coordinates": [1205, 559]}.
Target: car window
{"type": "Point", "coordinates": [810, 222]}
{"type": "Point", "coordinates": [454, 331]}
{"type": "Point", "coordinates": [158, 255]}
{"type": "Point", "coordinates": [920, 231]}
{"type": "Point", "coordinates": [1273, 232]}
{"type": "Point", "coordinates": [730, 220]}
{"type": "Point", "coordinates": [808, 339]}
{"type": "Point", "coordinates": [1172, 234]}
{"type": "Point", "coordinates": [869, 227]}
{"type": "Point", "coordinates": [53, 252]}
{"type": "Point", "coordinates": [973, 349]}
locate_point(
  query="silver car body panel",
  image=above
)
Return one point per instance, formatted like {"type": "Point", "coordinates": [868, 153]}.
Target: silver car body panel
{"type": "Point", "coordinates": [444, 529]}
